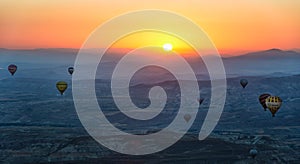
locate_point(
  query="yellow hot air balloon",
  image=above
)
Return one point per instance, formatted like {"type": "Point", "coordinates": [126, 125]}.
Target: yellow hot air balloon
{"type": "Point", "coordinates": [61, 86]}
{"type": "Point", "coordinates": [273, 103]}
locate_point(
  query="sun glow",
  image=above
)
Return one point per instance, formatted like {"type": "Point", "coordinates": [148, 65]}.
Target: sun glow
{"type": "Point", "coordinates": [244, 26]}
{"type": "Point", "coordinates": [165, 42]}
{"type": "Point", "coordinates": [167, 47]}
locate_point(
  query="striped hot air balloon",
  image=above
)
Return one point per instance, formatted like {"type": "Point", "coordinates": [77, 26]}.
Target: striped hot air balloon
{"type": "Point", "coordinates": [262, 99]}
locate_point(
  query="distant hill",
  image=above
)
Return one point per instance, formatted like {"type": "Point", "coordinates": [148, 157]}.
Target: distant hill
{"type": "Point", "coordinates": [269, 62]}
{"type": "Point", "coordinates": [269, 55]}
{"type": "Point", "coordinates": [273, 62]}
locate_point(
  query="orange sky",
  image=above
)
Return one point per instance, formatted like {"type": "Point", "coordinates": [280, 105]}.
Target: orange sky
{"type": "Point", "coordinates": [234, 26]}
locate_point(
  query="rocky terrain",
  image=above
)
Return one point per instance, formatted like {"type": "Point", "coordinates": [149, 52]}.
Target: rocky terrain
{"type": "Point", "coordinates": [37, 125]}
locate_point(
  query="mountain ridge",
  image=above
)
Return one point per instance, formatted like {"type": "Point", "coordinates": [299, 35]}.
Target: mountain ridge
{"type": "Point", "coordinates": [269, 53]}
{"type": "Point", "coordinates": [273, 51]}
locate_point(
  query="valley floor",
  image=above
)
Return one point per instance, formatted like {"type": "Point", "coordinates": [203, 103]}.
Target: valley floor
{"type": "Point", "coordinates": [33, 144]}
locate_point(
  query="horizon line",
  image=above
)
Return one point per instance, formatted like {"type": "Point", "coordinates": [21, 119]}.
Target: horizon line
{"type": "Point", "coordinates": [236, 53]}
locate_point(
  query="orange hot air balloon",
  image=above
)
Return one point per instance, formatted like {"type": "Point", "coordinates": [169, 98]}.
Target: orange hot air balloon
{"type": "Point", "coordinates": [12, 69]}
{"type": "Point", "coordinates": [61, 86]}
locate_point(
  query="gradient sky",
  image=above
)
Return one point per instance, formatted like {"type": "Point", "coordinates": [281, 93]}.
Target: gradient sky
{"type": "Point", "coordinates": [234, 26]}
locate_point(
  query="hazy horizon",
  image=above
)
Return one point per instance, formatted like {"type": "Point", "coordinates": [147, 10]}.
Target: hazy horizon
{"type": "Point", "coordinates": [120, 50]}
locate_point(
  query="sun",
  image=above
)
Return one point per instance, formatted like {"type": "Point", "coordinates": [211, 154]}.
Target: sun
{"type": "Point", "coordinates": [167, 47]}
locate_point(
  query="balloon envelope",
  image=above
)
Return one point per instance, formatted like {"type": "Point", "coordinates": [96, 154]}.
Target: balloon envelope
{"type": "Point", "coordinates": [12, 69]}
{"type": "Point", "coordinates": [201, 100]}
{"type": "Point", "coordinates": [253, 153]}
{"type": "Point", "coordinates": [273, 103]}
{"type": "Point", "coordinates": [243, 82]}
{"type": "Point", "coordinates": [61, 86]}
{"type": "Point", "coordinates": [70, 70]}
{"type": "Point", "coordinates": [262, 100]}
{"type": "Point", "coordinates": [187, 117]}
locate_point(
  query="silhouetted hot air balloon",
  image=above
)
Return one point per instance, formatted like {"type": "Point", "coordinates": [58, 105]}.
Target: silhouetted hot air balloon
{"type": "Point", "coordinates": [12, 69]}
{"type": "Point", "coordinates": [70, 70]}
{"type": "Point", "coordinates": [200, 100]}
{"type": "Point", "coordinates": [253, 152]}
{"type": "Point", "coordinates": [273, 103]}
{"type": "Point", "coordinates": [187, 117]}
{"type": "Point", "coordinates": [61, 86]}
{"type": "Point", "coordinates": [244, 82]}
{"type": "Point", "coordinates": [262, 100]}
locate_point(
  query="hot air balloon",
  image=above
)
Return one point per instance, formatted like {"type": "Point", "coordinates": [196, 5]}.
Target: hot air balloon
{"type": "Point", "coordinates": [61, 86]}
{"type": "Point", "coordinates": [201, 100]}
{"type": "Point", "coordinates": [187, 117]}
{"type": "Point", "coordinates": [262, 100]}
{"type": "Point", "coordinates": [273, 103]}
{"type": "Point", "coordinates": [12, 69]}
{"type": "Point", "coordinates": [244, 82]}
{"type": "Point", "coordinates": [70, 70]}
{"type": "Point", "coordinates": [253, 152]}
